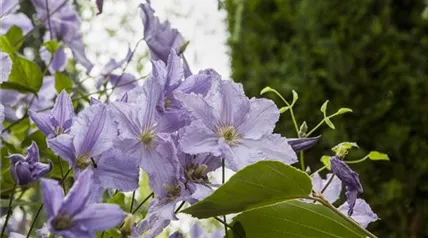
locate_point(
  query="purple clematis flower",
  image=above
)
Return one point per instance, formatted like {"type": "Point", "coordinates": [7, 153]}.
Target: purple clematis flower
{"type": "Point", "coordinates": [350, 178]}
{"type": "Point", "coordinates": [90, 145]}
{"type": "Point", "coordinates": [59, 120]}
{"type": "Point", "coordinates": [363, 214]}
{"type": "Point", "coordinates": [226, 123]}
{"type": "Point", "coordinates": [73, 216]}
{"type": "Point", "coordinates": [59, 59]}
{"type": "Point", "coordinates": [161, 38]}
{"type": "Point", "coordinates": [8, 17]}
{"type": "Point", "coordinates": [5, 67]}
{"type": "Point", "coordinates": [332, 192]}
{"type": "Point", "coordinates": [63, 23]}
{"type": "Point", "coordinates": [28, 169]}
{"type": "Point", "coordinates": [300, 144]}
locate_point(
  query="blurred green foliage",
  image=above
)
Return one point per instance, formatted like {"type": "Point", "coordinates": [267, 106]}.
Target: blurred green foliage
{"type": "Point", "coordinates": [367, 55]}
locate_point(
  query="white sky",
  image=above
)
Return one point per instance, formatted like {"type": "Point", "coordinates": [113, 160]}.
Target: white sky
{"type": "Point", "coordinates": [199, 21]}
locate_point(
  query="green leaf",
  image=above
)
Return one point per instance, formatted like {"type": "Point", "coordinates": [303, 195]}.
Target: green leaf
{"type": "Point", "coordinates": [259, 184]}
{"type": "Point", "coordinates": [295, 219]}
{"type": "Point", "coordinates": [119, 199]}
{"type": "Point", "coordinates": [343, 110]}
{"type": "Point", "coordinates": [326, 161]}
{"type": "Point", "coordinates": [8, 42]}
{"type": "Point", "coordinates": [342, 148]}
{"type": "Point", "coordinates": [52, 46]}
{"type": "Point", "coordinates": [265, 90]}
{"type": "Point", "coordinates": [283, 109]}
{"type": "Point", "coordinates": [375, 155]}
{"type": "Point", "coordinates": [37, 137]}
{"type": "Point", "coordinates": [323, 108]}
{"type": "Point", "coordinates": [329, 123]}
{"type": "Point", "coordinates": [26, 74]}
{"type": "Point", "coordinates": [62, 81]}
{"type": "Point", "coordinates": [16, 86]}
{"type": "Point", "coordinates": [295, 97]}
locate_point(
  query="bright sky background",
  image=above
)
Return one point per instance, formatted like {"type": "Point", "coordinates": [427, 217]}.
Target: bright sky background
{"type": "Point", "coordinates": [119, 26]}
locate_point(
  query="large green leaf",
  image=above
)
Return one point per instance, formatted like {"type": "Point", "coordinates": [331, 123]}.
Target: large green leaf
{"type": "Point", "coordinates": [62, 81]}
{"type": "Point", "coordinates": [260, 184]}
{"type": "Point", "coordinates": [10, 42]}
{"type": "Point", "coordinates": [295, 219]}
{"type": "Point", "coordinates": [25, 75]}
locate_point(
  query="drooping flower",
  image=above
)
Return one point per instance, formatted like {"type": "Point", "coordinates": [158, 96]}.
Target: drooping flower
{"type": "Point", "coordinates": [332, 192]}
{"type": "Point", "coordinates": [5, 67]}
{"type": "Point", "coordinates": [161, 37]}
{"type": "Point", "coordinates": [28, 169]}
{"type": "Point", "coordinates": [350, 178]}
{"type": "Point", "coordinates": [362, 213]}
{"type": "Point", "coordinates": [58, 120]}
{"type": "Point", "coordinates": [125, 81]}
{"type": "Point", "coordinates": [299, 144]}
{"type": "Point", "coordinates": [73, 216]}
{"type": "Point", "coordinates": [63, 23]}
{"type": "Point", "coordinates": [226, 123]}
{"type": "Point", "coordinates": [9, 17]}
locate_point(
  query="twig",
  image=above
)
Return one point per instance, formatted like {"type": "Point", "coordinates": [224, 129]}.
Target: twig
{"type": "Point", "coordinates": [9, 211]}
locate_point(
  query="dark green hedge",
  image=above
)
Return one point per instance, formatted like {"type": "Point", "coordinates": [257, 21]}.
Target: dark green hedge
{"type": "Point", "coordinates": [368, 55]}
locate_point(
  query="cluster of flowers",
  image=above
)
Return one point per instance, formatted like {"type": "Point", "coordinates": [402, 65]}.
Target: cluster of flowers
{"type": "Point", "coordinates": [177, 127]}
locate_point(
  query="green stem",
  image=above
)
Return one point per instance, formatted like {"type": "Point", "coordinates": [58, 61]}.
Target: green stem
{"type": "Point", "coordinates": [144, 201]}
{"type": "Point", "coordinates": [223, 176]}
{"type": "Point", "coordinates": [316, 127]}
{"type": "Point", "coordinates": [357, 161]}
{"type": "Point", "coordinates": [226, 225]}
{"type": "Point", "coordinates": [319, 170]}
{"type": "Point", "coordinates": [179, 207]}
{"type": "Point", "coordinates": [327, 184]}
{"type": "Point", "coordinates": [132, 201]}
{"type": "Point", "coordinates": [34, 220]}
{"type": "Point", "coordinates": [9, 211]}
{"type": "Point", "coordinates": [302, 161]}
{"type": "Point", "coordinates": [62, 173]}
{"type": "Point", "coordinates": [323, 201]}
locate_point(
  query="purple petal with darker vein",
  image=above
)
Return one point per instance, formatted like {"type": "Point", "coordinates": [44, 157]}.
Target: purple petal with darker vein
{"type": "Point", "coordinates": [78, 196]}
{"type": "Point", "coordinates": [62, 146]}
{"type": "Point", "coordinates": [42, 121]}
{"type": "Point", "coordinates": [176, 234]}
{"type": "Point", "coordinates": [116, 170]}
{"type": "Point", "coordinates": [19, 19]}
{"type": "Point", "coordinates": [63, 111]}
{"type": "Point", "coordinates": [332, 192]}
{"type": "Point", "coordinates": [100, 217]}
{"type": "Point", "coordinates": [58, 61]}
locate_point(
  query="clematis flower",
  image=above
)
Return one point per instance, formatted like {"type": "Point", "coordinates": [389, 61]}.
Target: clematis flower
{"type": "Point", "coordinates": [28, 169]}
{"type": "Point", "coordinates": [126, 81]}
{"type": "Point", "coordinates": [58, 120]}
{"type": "Point", "coordinates": [5, 67]}
{"type": "Point", "coordinates": [350, 178]}
{"type": "Point", "coordinates": [9, 17]}
{"type": "Point", "coordinates": [226, 123]}
{"type": "Point", "coordinates": [73, 216]}
{"type": "Point", "coordinates": [362, 214]}
{"type": "Point", "coordinates": [160, 37]}
{"type": "Point", "coordinates": [90, 145]}
{"type": "Point", "coordinates": [63, 23]}
{"type": "Point", "coordinates": [299, 144]}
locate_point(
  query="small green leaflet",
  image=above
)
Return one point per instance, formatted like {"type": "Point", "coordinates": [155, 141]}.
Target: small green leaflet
{"type": "Point", "coordinates": [375, 155]}
{"type": "Point", "coordinates": [10, 42]}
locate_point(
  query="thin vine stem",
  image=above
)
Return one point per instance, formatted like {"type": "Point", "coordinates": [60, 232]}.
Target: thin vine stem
{"type": "Point", "coordinates": [9, 210]}
{"type": "Point", "coordinates": [327, 184]}
{"type": "Point", "coordinates": [223, 178]}
{"type": "Point", "coordinates": [144, 201]}
{"type": "Point", "coordinates": [179, 207]}
{"type": "Point", "coordinates": [226, 225]}
{"type": "Point", "coordinates": [132, 201]}
{"type": "Point", "coordinates": [34, 221]}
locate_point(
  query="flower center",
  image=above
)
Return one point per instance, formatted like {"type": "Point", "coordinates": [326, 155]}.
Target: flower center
{"type": "Point", "coordinates": [62, 222]}
{"type": "Point", "coordinates": [83, 161]}
{"type": "Point", "coordinates": [229, 134]}
{"type": "Point", "coordinates": [167, 102]}
{"type": "Point", "coordinates": [173, 191]}
{"type": "Point", "coordinates": [147, 137]}
{"type": "Point", "coordinates": [197, 173]}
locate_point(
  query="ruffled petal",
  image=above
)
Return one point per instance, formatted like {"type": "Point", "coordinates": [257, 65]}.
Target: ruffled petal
{"type": "Point", "coordinates": [363, 214]}
{"type": "Point", "coordinates": [197, 138]}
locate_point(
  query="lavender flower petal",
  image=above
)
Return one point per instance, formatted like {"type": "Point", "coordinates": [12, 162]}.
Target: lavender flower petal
{"type": "Point", "coordinates": [299, 144]}
{"type": "Point", "coordinates": [99, 217]}
{"type": "Point", "coordinates": [332, 193]}
{"type": "Point", "coordinates": [5, 67]}
{"type": "Point", "coordinates": [77, 197]}
{"type": "Point", "coordinates": [363, 214]}
{"type": "Point", "coordinates": [52, 196]}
